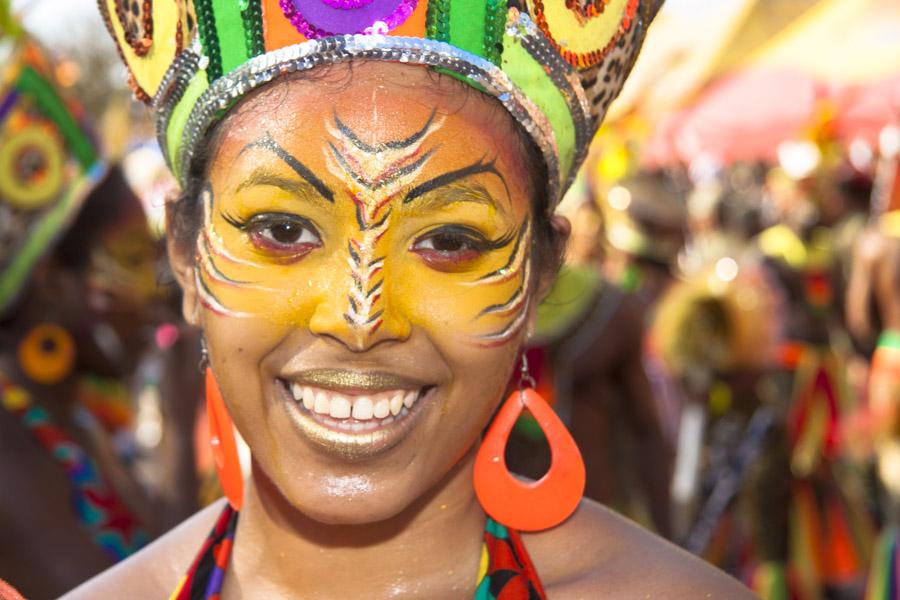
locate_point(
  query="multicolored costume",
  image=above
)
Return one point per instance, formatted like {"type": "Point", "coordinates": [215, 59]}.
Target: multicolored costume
{"type": "Point", "coordinates": [884, 402]}
{"type": "Point", "coordinates": [110, 524]}
{"type": "Point", "coordinates": [505, 571]}
{"type": "Point", "coordinates": [829, 530]}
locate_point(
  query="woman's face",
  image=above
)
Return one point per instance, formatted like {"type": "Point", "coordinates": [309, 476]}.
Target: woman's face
{"type": "Point", "coordinates": [363, 279]}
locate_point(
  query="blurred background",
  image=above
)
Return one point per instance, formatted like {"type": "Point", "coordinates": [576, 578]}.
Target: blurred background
{"type": "Point", "coordinates": [723, 340]}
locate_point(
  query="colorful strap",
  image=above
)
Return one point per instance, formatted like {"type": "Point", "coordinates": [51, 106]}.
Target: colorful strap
{"type": "Point", "coordinates": [884, 573]}
{"type": "Point", "coordinates": [111, 525]}
{"type": "Point", "coordinates": [889, 339]}
{"type": "Point", "coordinates": [204, 579]}
{"type": "Point", "coordinates": [505, 571]}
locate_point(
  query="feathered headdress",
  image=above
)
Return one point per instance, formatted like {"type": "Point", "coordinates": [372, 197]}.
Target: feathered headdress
{"type": "Point", "coordinates": [554, 64]}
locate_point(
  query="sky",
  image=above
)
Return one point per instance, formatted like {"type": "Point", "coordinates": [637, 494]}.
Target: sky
{"type": "Point", "coordinates": [49, 18]}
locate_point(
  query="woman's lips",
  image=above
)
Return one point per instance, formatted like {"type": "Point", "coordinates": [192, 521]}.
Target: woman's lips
{"type": "Point", "coordinates": [361, 418]}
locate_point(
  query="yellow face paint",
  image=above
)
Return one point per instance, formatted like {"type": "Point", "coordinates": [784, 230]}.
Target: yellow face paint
{"type": "Point", "coordinates": [367, 240]}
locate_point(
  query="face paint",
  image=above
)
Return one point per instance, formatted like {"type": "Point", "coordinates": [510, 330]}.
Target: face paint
{"type": "Point", "coordinates": [368, 239]}
{"type": "Point", "coordinates": [124, 262]}
{"type": "Point", "coordinates": [375, 175]}
{"type": "Point", "coordinates": [518, 267]}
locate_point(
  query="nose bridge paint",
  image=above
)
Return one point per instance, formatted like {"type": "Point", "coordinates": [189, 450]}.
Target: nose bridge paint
{"type": "Point", "coordinates": [375, 176]}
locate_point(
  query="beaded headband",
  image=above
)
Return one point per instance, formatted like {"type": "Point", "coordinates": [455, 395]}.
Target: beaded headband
{"type": "Point", "coordinates": [48, 163]}
{"type": "Point", "coordinates": [554, 64]}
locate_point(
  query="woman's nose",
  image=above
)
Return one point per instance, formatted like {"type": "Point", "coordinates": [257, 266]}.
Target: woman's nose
{"type": "Point", "coordinates": [359, 317]}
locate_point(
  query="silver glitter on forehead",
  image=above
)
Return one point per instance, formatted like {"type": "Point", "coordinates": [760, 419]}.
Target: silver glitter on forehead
{"type": "Point", "coordinates": [224, 92]}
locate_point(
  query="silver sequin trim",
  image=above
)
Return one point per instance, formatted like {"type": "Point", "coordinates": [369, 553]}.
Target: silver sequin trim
{"type": "Point", "coordinates": [260, 70]}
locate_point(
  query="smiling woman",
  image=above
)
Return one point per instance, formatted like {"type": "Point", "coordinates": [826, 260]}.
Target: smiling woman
{"type": "Point", "coordinates": [365, 231]}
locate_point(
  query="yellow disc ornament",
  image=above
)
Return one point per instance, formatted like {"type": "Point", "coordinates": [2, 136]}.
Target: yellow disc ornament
{"type": "Point", "coordinates": [584, 30]}
{"type": "Point", "coordinates": [32, 163]}
{"type": "Point", "coordinates": [150, 35]}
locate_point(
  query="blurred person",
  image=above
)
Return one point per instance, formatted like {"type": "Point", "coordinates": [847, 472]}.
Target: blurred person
{"type": "Point", "coordinates": [77, 272]}
{"type": "Point", "coordinates": [167, 384]}
{"type": "Point", "coordinates": [645, 220]}
{"type": "Point", "coordinates": [830, 523]}
{"type": "Point", "coordinates": [717, 331]}
{"type": "Point", "coordinates": [587, 355]}
{"type": "Point", "coordinates": [873, 314]}
{"type": "Point", "coordinates": [724, 215]}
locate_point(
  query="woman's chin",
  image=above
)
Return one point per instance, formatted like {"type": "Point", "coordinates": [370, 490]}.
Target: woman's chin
{"type": "Point", "coordinates": [349, 515]}
{"type": "Point", "coordinates": [347, 500]}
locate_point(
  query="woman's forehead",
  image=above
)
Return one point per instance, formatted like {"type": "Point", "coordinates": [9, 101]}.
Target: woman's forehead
{"type": "Point", "coordinates": [380, 103]}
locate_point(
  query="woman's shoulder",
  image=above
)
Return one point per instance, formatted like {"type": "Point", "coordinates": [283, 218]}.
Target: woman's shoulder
{"type": "Point", "coordinates": [599, 552]}
{"type": "Point", "coordinates": [156, 570]}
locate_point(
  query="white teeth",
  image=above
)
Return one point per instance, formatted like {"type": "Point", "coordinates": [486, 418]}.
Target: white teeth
{"type": "Point", "coordinates": [396, 404]}
{"type": "Point", "coordinates": [363, 408]}
{"type": "Point", "coordinates": [322, 405]}
{"type": "Point", "coordinates": [340, 407]}
{"type": "Point", "coordinates": [382, 408]}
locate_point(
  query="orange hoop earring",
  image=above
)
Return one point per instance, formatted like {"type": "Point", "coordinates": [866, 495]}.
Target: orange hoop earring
{"type": "Point", "coordinates": [223, 443]}
{"type": "Point", "coordinates": [47, 354]}
{"type": "Point", "coordinates": [537, 505]}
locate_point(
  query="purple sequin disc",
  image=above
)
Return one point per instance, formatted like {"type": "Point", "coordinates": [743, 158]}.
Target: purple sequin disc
{"type": "Point", "coordinates": [317, 18]}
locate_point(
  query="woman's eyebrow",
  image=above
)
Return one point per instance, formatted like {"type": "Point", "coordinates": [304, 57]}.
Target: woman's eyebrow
{"type": "Point", "coordinates": [296, 187]}
{"type": "Point", "coordinates": [267, 142]}
{"type": "Point", "coordinates": [458, 191]}
{"type": "Point", "coordinates": [476, 168]}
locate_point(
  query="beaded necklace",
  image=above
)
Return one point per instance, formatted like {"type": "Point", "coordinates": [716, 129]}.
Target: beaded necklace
{"type": "Point", "coordinates": [108, 521]}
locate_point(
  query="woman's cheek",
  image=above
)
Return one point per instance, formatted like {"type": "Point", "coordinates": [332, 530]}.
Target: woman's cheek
{"type": "Point", "coordinates": [455, 304]}
{"type": "Point", "coordinates": [285, 295]}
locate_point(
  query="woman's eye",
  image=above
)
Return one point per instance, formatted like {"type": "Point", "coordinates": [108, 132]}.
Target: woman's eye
{"type": "Point", "coordinates": [449, 248]}
{"type": "Point", "coordinates": [287, 233]}
{"type": "Point", "coordinates": [282, 234]}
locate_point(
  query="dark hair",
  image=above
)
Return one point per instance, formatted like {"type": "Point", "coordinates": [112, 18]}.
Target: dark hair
{"type": "Point", "coordinates": [548, 244]}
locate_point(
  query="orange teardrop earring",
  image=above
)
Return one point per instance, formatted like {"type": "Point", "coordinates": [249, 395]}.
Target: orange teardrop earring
{"type": "Point", "coordinates": [222, 441]}
{"type": "Point", "coordinates": [537, 505]}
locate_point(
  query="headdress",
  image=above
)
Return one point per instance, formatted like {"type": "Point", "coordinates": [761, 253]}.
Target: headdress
{"type": "Point", "coordinates": [554, 64]}
{"type": "Point", "coordinates": [48, 163]}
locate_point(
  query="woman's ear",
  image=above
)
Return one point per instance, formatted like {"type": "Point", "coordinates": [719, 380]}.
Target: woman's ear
{"type": "Point", "coordinates": [182, 262]}
{"type": "Point", "coordinates": [563, 229]}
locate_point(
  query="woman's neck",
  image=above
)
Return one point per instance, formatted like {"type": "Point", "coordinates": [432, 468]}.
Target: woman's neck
{"type": "Point", "coordinates": [431, 549]}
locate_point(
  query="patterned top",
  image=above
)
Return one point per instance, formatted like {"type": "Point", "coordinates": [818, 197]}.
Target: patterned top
{"type": "Point", "coordinates": [505, 571]}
